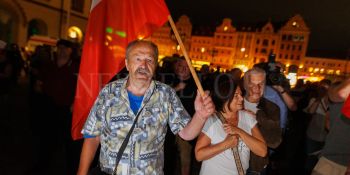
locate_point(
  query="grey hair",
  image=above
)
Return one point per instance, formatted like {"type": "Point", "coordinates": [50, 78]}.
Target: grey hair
{"type": "Point", "coordinates": [137, 42]}
{"type": "Point", "coordinates": [253, 71]}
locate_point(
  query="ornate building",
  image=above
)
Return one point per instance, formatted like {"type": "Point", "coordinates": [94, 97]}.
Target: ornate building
{"type": "Point", "coordinates": [20, 19]}
{"type": "Point", "coordinates": [229, 46]}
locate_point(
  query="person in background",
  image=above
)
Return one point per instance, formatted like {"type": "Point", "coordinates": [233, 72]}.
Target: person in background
{"type": "Point", "coordinates": [318, 127]}
{"type": "Point", "coordinates": [216, 140]}
{"type": "Point", "coordinates": [267, 114]}
{"type": "Point", "coordinates": [185, 88]}
{"type": "Point", "coordinates": [58, 79]}
{"type": "Point", "coordinates": [335, 155]}
{"type": "Point", "coordinates": [6, 70]}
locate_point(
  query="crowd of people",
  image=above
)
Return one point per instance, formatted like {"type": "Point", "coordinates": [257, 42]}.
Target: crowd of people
{"type": "Point", "coordinates": [175, 130]}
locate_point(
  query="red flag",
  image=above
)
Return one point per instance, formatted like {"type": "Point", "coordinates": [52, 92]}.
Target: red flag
{"type": "Point", "coordinates": [346, 108]}
{"type": "Point", "coordinates": [112, 25]}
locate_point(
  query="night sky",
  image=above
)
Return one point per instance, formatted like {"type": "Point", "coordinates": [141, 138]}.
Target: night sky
{"type": "Point", "coordinates": [328, 20]}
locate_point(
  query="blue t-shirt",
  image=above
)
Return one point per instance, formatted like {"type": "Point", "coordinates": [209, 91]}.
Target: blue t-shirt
{"type": "Point", "coordinates": [272, 95]}
{"type": "Point", "coordinates": [135, 104]}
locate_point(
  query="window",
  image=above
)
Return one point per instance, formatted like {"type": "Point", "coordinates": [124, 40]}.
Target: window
{"type": "Point", "coordinates": [265, 42]}
{"type": "Point", "coordinates": [288, 46]}
{"type": "Point", "coordinates": [258, 41]}
{"type": "Point", "coordinates": [282, 46]}
{"type": "Point", "coordinates": [295, 38]}
{"type": "Point", "coordinates": [273, 42]}
{"type": "Point", "coordinates": [290, 37]}
{"type": "Point", "coordinates": [78, 5]}
{"type": "Point", "coordinates": [285, 56]}
{"type": "Point", "coordinates": [293, 47]}
{"type": "Point", "coordinates": [292, 57]}
{"type": "Point", "coordinates": [280, 56]}
{"type": "Point", "coordinates": [300, 47]}
{"type": "Point", "coordinates": [284, 37]}
{"type": "Point", "coordinates": [263, 50]}
{"type": "Point", "coordinates": [298, 57]}
{"type": "Point", "coordinates": [256, 50]}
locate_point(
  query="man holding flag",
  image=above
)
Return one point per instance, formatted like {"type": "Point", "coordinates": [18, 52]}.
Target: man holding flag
{"type": "Point", "coordinates": [130, 116]}
{"type": "Point", "coordinates": [122, 101]}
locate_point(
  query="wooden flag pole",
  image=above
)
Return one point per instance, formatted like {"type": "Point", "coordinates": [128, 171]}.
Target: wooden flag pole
{"type": "Point", "coordinates": [182, 46]}
{"type": "Point", "coordinates": [200, 88]}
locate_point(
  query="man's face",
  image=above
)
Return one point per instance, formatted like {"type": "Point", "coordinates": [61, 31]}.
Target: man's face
{"type": "Point", "coordinates": [256, 87]}
{"type": "Point", "coordinates": [182, 70]}
{"type": "Point", "coordinates": [141, 63]}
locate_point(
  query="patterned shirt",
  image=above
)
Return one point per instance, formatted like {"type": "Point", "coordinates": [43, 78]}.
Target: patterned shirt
{"type": "Point", "coordinates": [111, 118]}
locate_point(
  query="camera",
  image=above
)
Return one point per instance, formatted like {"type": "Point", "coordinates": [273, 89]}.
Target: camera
{"type": "Point", "coordinates": [274, 75]}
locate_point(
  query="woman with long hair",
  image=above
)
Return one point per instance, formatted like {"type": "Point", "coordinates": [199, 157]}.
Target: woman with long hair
{"type": "Point", "coordinates": [239, 129]}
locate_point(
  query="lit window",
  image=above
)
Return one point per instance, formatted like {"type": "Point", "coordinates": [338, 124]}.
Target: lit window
{"type": "Point", "coordinates": [225, 28]}
{"type": "Point", "coordinates": [330, 71]}
{"type": "Point", "coordinates": [295, 24]}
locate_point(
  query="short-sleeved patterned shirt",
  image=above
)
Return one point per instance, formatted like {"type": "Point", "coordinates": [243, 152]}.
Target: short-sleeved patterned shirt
{"type": "Point", "coordinates": [111, 118]}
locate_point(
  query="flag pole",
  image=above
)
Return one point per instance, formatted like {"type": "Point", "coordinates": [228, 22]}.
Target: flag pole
{"type": "Point", "coordinates": [201, 91]}
{"type": "Point", "coordinates": [182, 46]}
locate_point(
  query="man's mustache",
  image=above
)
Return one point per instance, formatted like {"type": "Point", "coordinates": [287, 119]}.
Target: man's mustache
{"type": "Point", "coordinates": [143, 71]}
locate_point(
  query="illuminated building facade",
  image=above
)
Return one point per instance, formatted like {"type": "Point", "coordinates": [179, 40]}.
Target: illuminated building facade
{"type": "Point", "coordinates": [229, 46]}
{"type": "Point", "coordinates": [20, 19]}
{"type": "Point", "coordinates": [331, 68]}
{"type": "Point", "coordinates": [243, 46]}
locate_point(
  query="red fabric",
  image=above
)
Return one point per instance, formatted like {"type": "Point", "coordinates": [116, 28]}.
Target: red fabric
{"type": "Point", "coordinates": [112, 25]}
{"type": "Point", "coordinates": [346, 108]}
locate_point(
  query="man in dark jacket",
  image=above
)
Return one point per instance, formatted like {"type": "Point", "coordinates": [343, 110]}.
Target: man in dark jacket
{"type": "Point", "coordinates": [267, 114]}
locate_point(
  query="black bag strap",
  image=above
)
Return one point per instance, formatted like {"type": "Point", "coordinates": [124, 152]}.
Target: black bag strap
{"type": "Point", "coordinates": [126, 140]}
{"type": "Point", "coordinates": [125, 143]}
